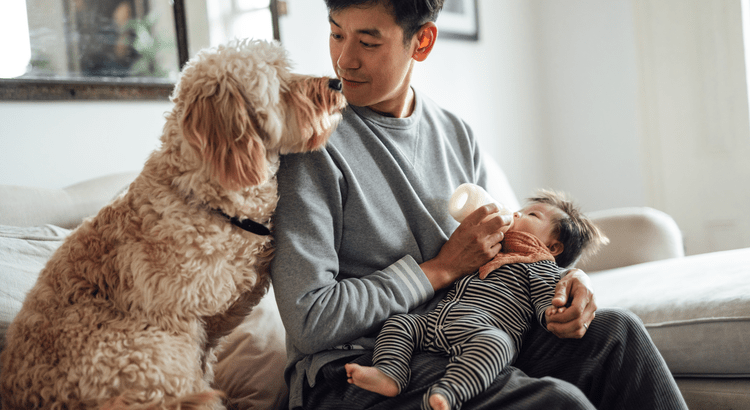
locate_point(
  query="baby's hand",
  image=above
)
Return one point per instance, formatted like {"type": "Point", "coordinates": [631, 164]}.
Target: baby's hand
{"type": "Point", "coordinates": [552, 310]}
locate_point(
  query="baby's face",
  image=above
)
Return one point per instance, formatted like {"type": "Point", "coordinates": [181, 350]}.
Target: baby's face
{"type": "Point", "coordinates": [536, 219]}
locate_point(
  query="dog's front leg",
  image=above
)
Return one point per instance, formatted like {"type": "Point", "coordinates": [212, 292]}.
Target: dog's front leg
{"type": "Point", "coordinates": [222, 324]}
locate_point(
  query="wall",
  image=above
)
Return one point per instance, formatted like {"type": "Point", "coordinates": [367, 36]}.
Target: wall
{"type": "Point", "coordinates": [695, 119]}
{"type": "Point", "coordinates": [589, 111]}
{"type": "Point", "coordinates": [493, 85]}
{"type": "Point", "coordinates": [550, 89]}
{"type": "Point", "coordinates": [55, 144]}
{"type": "Point", "coordinates": [559, 91]}
{"type": "Point", "coordinates": [645, 103]}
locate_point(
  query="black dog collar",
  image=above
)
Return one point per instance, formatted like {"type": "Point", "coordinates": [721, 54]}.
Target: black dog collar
{"type": "Point", "coordinates": [247, 224]}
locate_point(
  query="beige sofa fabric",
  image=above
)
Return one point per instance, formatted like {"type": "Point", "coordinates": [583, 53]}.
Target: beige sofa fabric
{"type": "Point", "coordinates": [637, 235]}
{"type": "Point", "coordinates": [715, 394]}
{"type": "Point", "coordinates": [696, 309]}
{"type": "Point", "coordinates": [252, 360]}
{"type": "Point", "coordinates": [23, 253]}
{"type": "Point", "coordinates": [498, 185]}
{"type": "Point", "coordinates": [65, 207]}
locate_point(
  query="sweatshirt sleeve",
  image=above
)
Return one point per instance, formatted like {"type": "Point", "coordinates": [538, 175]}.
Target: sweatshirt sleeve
{"type": "Point", "coordinates": [321, 305]}
{"type": "Point", "coordinates": [543, 277]}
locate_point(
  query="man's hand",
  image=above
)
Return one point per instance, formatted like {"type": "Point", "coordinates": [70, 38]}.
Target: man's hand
{"type": "Point", "coordinates": [573, 321]}
{"type": "Point", "coordinates": [475, 242]}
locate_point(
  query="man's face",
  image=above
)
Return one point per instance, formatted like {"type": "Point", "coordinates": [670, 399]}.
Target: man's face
{"type": "Point", "coordinates": [369, 56]}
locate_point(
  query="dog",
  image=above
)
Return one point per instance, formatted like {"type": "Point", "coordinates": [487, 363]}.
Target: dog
{"type": "Point", "coordinates": [128, 311]}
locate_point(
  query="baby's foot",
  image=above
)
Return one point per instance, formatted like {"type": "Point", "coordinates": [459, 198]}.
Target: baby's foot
{"type": "Point", "coordinates": [371, 379]}
{"type": "Point", "coordinates": [439, 402]}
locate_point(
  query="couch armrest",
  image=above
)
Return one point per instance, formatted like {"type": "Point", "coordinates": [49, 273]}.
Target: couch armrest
{"type": "Point", "coordinates": [65, 207]}
{"type": "Point", "coordinates": [636, 235]}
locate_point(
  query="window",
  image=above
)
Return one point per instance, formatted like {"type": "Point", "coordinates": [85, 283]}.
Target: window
{"type": "Point", "coordinates": [116, 49]}
{"type": "Point", "coordinates": [241, 19]}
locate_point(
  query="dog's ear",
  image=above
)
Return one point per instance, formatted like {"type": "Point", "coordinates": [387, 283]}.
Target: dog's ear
{"type": "Point", "coordinates": [220, 124]}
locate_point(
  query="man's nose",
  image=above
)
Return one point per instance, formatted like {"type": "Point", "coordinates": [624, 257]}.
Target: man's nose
{"type": "Point", "coordinates": [348, 57]}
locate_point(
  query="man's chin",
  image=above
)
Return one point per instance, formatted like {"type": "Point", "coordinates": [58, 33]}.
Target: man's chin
{"type": "Point", "coordinates": [355, 98]}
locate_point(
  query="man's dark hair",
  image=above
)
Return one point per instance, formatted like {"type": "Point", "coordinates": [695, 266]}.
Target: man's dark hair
{"type": "Point", "coordinates": [579, 236]}
{"type": "Point", "coordinates": [410, 15]}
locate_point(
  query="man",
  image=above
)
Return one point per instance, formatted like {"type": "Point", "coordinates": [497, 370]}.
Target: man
{"type": "Point", "coordinates": [363, 232]}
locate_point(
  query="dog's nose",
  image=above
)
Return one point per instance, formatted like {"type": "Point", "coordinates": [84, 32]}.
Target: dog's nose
{"type": "Point", "coordinates": [334, 84]}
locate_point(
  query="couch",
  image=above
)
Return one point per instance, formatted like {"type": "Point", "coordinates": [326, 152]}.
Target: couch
{"type": "Point", "coordinates": [696, 308]}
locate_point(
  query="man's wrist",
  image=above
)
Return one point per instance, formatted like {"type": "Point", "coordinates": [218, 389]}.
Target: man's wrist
{"type": "Point", "coordinates": [437, 275]}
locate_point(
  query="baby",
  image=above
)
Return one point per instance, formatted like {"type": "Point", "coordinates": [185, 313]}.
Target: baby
{"type": "Point", "coordinates": [482, 320]}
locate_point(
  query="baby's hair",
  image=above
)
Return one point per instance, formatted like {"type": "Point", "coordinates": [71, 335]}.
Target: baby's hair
{"type": "Point", "coordinates": [579, 236]}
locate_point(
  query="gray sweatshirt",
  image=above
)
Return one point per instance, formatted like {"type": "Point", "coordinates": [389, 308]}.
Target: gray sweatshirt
{"type": "Point", "coordinates": [353, 223]}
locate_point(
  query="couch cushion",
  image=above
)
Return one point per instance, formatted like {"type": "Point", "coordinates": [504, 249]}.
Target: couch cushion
{"type": "Point", "coordinates": [250, 370]}
{"type": "Point", "coordinates": [636, 235]}
{"type": "Point", "coordinates": [715, 393]}
{"type": "Point", "coordinates": [65, 207]}
{"type": "Point", "coordinates": [23, 253]}
{"type": "Point", "coordinates": [696, 309]}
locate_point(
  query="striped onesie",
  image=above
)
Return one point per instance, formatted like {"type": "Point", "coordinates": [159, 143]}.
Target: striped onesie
{"type": "Point", "coordinates": [480, 324]}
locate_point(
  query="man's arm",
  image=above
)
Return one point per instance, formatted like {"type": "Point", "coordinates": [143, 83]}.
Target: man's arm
{"type": "Point", "coordinates": [322, 306]}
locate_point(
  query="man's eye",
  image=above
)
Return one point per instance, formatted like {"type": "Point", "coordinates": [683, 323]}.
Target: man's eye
{"type": "Point", "coordinates": [368, 45]}
{"type": "Point", "coordinates": [335, 36]}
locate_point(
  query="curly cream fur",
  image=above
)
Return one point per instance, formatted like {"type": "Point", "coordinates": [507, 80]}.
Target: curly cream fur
{"type": "Point", "coordinates": [127, 312]}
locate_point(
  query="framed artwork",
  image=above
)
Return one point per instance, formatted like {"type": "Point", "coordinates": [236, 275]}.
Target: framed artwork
{"type": "Point", "coordinates": [459, 20]}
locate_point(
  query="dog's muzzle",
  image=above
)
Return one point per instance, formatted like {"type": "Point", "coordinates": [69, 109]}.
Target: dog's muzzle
{"type": "Point", "coordinates": [334, 84]}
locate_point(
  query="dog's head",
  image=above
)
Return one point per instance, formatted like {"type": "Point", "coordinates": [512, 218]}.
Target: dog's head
{"type": "Point", "coordinates": [239, 107]}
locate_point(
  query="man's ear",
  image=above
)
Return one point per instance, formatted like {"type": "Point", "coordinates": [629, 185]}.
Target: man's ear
{"type": "Point", "coordinates": [556, 248]}
{"type": "Point", "coordinates": [425, 40]}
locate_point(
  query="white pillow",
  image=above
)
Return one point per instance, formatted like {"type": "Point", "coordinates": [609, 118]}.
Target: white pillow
{"type": "Point", "coordinates": [251, 362]}
{"type": "Point", "coordinates": [23, 254]}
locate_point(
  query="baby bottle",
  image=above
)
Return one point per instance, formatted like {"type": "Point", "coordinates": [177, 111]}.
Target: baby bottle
{"type": "Point", "coordinates": [467, 198]}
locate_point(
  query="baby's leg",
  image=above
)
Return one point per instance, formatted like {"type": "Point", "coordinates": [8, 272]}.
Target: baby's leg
{"type": "Point", "coordinates": [371, 379]}
{"type": "Point", "coordinates": [476, 364]}
{"type": "Point", "coordinates": [394, 347]}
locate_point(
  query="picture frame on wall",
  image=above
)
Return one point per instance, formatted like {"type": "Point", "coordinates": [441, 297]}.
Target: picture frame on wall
{"type": "Point", "coordinates": [459, 20]}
